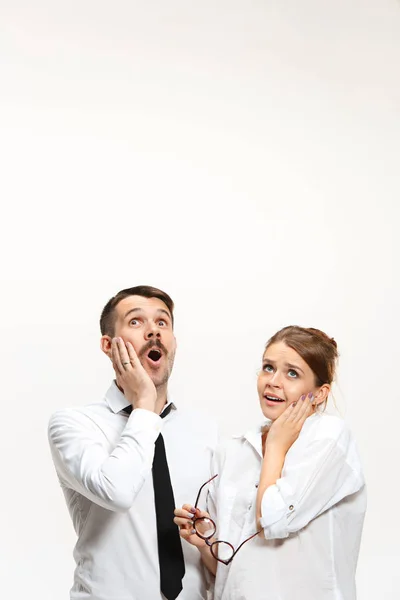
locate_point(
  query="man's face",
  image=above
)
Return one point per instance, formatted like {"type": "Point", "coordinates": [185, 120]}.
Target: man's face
{"type": "Point", "coordinates": [147, 324]}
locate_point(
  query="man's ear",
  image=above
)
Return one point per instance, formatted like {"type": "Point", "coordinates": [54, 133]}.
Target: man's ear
{"type": "Point", "coordinates": [105, 345]}
{"type": "Point", "coordinates": [322, 395]}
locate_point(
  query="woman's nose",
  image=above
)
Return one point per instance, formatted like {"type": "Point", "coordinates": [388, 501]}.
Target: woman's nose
{"type": "Point", "coordinates": [275, 379]}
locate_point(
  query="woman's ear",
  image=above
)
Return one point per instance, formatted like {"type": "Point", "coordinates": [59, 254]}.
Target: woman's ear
{"type": "Point", "coordinates": [105, 345]}
{"type": "Point", "coordinates": [322, 394]}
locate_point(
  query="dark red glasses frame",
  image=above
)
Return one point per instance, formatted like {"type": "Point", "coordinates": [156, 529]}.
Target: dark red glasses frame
{"type": "Point", "coordinates": [214, 545]}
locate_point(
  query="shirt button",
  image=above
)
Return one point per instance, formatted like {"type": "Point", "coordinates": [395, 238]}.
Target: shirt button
{"type": "Point", "coordinates": [291, 507]}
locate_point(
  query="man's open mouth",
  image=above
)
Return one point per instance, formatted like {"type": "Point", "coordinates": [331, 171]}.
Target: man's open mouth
{"type": "Point", "coordinates": [154, 354]}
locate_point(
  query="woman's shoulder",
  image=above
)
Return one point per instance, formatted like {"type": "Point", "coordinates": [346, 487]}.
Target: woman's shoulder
{"type": "Point", "coordinates": [323, 426]}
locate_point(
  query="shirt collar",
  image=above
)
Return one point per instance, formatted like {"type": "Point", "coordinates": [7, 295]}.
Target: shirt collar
{"type": "Point", "coordinates": [253, 436]}
{"type": "Point", "coordinates": [117, 401]}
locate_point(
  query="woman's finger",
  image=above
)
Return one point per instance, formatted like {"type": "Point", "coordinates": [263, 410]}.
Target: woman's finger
{"type": "Point", "coordinates": [186, 533]}
{"type": "Point", "coordinates": [286, 414]}
{"type": "Point", "coordinates": [181, 512]}
{"type": "Point", "coordinates": [301, 407]}
{"type": "Point", "coordinates": [202, 514]}
{"type": "Point", "coordinates": [305, 408]}
{"type": "Point", "coordinates": [189, 508]}
{"type": "Point", "coordinates": [181, 522]}
{"type": "Point", "coordinates": [298, 406]}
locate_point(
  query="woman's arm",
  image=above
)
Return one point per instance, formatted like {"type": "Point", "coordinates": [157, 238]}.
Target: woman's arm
{"type": "Point", "coordinates": [321, 473]}
{"type": "Point", "coordinates": [282, 434]}
{"type": "Point", "coordinates": [271, 470]}
{"type": "Point", "coordinates": [208, 559]}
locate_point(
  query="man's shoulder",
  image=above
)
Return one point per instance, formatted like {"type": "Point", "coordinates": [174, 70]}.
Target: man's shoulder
{"type": "Point", "coordinates": [78, 415]}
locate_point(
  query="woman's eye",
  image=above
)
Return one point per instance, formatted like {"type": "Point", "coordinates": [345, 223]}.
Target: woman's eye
{"type": "Point", "coordinates": [292, 373]}
{"type": "Point", "coordinates": [268, 368]}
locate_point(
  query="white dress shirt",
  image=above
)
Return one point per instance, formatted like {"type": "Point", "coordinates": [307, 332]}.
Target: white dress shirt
{"type": "Point", "coordinates": [103, 461]}
{"type": "Point", "coordinates": [312, 517]}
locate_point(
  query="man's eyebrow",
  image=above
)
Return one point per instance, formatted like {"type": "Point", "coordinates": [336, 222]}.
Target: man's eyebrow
{"type": "Point", "coordinates": [138, 309]}
{"type": "Point", "coordinates": [163, 312]}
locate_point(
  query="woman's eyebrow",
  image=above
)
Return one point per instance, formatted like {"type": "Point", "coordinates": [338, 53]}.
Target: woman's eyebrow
{"type": "Point", "coordinates": [290, 366]}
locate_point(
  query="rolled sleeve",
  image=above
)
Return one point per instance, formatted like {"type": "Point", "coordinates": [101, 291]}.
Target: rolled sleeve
{"type": "Point", "coordinates": [322, 474]}
{"type": "Point", "coordinates": [278, 507]}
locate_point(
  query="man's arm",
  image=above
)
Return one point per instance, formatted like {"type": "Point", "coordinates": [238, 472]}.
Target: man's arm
{"type": "Point", "coordinates": [83, 464]}
{"type": "Point", "coordinates": [82, 460]}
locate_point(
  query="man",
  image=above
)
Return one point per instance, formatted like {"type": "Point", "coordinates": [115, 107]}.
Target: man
{"type": "Point", "coordinates": [125, 462]}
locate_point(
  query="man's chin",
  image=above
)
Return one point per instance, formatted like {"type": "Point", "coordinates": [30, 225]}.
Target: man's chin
{"type": "Point", "coordinates": [158, 379]}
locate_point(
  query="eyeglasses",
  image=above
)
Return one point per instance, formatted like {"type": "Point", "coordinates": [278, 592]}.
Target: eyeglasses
{"type": "Point", "coordinates": [205, 528]}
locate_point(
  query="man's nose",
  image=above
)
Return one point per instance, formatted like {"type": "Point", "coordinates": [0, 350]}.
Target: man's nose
{"type": "Point", "coordinates": [152, 331]}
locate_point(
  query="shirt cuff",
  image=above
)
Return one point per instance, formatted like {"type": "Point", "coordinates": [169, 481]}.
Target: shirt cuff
{"type": "Point", "coordinates": [278, 508]}
{"type": "Point", "coordinates": [142, 420]}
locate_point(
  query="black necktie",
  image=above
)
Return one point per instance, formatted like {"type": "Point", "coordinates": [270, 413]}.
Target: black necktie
{"type": "Point", "coordinates": [170, 555]}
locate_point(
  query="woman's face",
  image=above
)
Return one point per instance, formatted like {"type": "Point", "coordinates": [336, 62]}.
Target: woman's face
{"type": "Point", "coordinates": [283, 379]}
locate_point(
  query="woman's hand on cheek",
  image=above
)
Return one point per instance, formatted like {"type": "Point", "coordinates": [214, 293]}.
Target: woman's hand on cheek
{"type": "Point", "coordinates": [286, 429]}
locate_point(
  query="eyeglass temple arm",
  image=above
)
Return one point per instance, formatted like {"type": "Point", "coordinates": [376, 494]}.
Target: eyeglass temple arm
{"type": "Point", "coordinates": [248, 539]}
{"type": "Point", "coordinates": [204, 484]}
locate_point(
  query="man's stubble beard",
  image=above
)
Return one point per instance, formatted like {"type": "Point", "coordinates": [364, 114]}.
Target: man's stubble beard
{"type": "Point", "coordinates": [167, 373]}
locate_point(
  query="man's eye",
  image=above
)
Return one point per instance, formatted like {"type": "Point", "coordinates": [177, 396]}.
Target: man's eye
{"type": "Point", "coordinates": [292, 373]}
{"type": "Point", "coordinates": [268, 368]}
{"type": "Point", "coordinates": [162, 323]}
{"type": "Point", "coordinates": [133, 322]}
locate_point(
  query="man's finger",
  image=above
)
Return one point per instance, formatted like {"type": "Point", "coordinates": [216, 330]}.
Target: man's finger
{"type": "Point", "coordinates": [116, 356]}
{"type": "Point", "coordinates": [133, 357]}
{"type": "Point", "coordinates": [125, 359]}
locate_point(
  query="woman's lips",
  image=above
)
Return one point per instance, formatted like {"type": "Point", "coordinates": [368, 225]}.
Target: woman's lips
{"type": "Point", "coordinates": [272, 400]}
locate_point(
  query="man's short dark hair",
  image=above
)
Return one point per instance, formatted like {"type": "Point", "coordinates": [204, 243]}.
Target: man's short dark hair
{"type": "Point", "coordinates": [107, 319]}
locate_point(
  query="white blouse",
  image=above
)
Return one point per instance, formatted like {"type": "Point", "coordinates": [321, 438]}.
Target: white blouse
{"type": "Point", "coordinates": [312, 517]}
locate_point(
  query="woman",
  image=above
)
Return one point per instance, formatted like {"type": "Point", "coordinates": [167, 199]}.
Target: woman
{"type": "Point", "coordinates": [296, 481]}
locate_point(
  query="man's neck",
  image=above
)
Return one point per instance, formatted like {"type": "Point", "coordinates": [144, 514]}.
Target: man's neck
{"type": "Point", "coordinates": [162, 398]}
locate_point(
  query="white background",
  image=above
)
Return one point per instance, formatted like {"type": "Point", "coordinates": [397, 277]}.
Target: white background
{"type": "Point", "coordinates": [242, 155]}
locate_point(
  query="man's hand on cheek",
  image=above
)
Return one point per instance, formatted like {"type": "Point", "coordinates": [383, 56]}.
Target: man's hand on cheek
{"type": "Point", "coordinates": [131, 376]}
